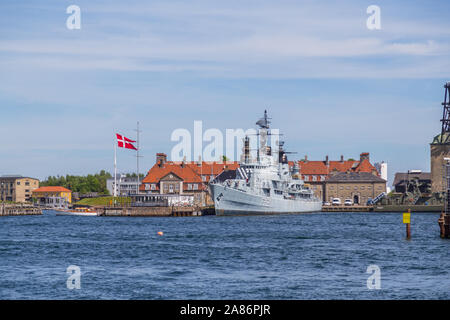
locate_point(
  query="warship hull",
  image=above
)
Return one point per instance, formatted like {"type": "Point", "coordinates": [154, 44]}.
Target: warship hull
{"type": "Point", "coordinates": [228, 201]}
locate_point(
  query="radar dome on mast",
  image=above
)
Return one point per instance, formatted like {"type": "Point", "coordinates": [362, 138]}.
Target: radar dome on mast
{"type": "Point", "coordinates": [264, 122]}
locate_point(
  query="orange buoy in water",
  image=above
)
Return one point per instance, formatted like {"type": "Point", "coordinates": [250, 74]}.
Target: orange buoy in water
{"type": "Point", "coordinates": [160, 233]}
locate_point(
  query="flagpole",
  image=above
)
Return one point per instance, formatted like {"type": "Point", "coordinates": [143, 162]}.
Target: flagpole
{"type": "Point", "coordinates": [137, 158]}
{"type": "Point", "coordinates": [115, 170]}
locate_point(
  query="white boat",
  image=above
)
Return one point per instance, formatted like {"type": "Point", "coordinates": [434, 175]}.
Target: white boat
{"type": "Point", "coordinates": [87, 212]}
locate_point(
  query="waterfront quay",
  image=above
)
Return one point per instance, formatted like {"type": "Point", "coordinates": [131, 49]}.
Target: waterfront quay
{"type": "Point", "coordinates": [208, 211]}
{"type": "Point", "coordinates": [165, 211]}
{"type": "Point", "coordinates": [19, 210]}
{"type": "Point", "coordinates": [343, 208]}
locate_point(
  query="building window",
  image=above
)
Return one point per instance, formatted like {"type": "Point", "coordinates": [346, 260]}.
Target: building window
{"type": "Point", "coordinates": [203, 178]}
{"type": "Point", "coordinates": [314, 178]}
{"type": "Point", "coordinates": [190, 186]}
{"type": "Point", "coordinates": [18, 183]}
{"type": "Point", "coordinates": [27, 183]}
{"type": "Point", "coordinates": [153, 187]}
{"type": "Point", "coordinates": [195, 186]}
{"type": "Point", "coordinates": [171, 188]}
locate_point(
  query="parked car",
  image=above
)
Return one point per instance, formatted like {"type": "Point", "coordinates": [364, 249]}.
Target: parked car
{"type": "Point", "coordinates": [336, 201]}
{"type": "Point", "coordinates": [348, 202]}
{"type": "Point", "coordinates": [327, 204]}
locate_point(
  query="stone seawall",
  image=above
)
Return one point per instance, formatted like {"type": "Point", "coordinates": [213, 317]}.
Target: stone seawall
{"type": "Point", "coordinates": [149, 211]}
{"type": "Point", "coordinates": [404, 208]}
{"type": "Point", "coordinates": [19, 210]}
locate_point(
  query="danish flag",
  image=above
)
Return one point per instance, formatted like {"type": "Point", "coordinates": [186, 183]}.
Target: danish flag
{"type": "Point", "coordinates": [124, 142]}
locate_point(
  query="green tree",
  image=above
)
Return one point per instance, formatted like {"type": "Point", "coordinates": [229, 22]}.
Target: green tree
{"type": "Point", "coordinates": [82, 184]}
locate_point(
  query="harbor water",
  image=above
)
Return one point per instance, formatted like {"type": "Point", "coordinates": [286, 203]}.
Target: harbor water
{"type": "Point", "coordinates": [302, 256]}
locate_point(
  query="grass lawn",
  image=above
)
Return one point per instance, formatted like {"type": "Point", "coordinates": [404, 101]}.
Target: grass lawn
{"type": "Point", "coordinates": [102, 201]}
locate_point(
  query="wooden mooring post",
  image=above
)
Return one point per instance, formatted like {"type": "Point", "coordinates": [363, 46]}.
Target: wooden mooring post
{"type": "Point", "coordinates": [444, 225]}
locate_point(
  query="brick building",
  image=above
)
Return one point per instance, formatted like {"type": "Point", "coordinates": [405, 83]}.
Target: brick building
{"type": "Point", "coordinates": [315, 173]}
{"type": "Point", "coordinates": [357, 186]}
{"type": "Point", "coordinates": [182, 177]}
{"type": "Point", "coordinates": [17, 188]}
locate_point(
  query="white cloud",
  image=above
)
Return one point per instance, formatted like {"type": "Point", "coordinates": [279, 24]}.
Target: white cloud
{"type": "Point", "coordinates": [233, 39]}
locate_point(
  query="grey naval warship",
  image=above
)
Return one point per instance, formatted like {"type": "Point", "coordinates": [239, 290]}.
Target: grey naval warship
{"type": "Point", "coordinates": [265, 185]}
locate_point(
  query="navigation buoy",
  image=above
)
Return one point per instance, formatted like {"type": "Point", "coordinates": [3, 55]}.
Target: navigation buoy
{"type": "Point", "coordinates": [160, 233]}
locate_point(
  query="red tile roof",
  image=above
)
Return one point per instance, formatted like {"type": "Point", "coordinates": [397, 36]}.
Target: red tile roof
{"type": "Point", "coordinates": [312, 167]}
{"type": "Point", "coordinates": [321, 168]}
{"type": "Point", "coordinates": [52, 189]}
{"type": "Point", "coordinates": [190, 172]}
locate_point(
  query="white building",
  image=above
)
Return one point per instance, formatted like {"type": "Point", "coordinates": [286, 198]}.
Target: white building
{"type": "Point", "coordinates": [125, 185]}
{"type": "Point", "coordinates": [383, 170]}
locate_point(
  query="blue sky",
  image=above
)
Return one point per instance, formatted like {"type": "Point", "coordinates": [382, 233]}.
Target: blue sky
{"type": "Point", "coordinates": [331, 85]}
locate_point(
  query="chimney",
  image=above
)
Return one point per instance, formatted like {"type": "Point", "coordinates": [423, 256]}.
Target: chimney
{"type": "Point", "coordinates": [199, 163]}
{"type": "Point", "coordinates": [183, 164]}
{"type": "Point", "coordinates": [364, 156]}
{"type": "Point", "coordinates": [342, 158]}
{"type": "Point", "coordinates": [161, 158]}
{"type": "Point", "coordinates": [306, 158]}
{"type": "Point", "coordinates": [326, 161]}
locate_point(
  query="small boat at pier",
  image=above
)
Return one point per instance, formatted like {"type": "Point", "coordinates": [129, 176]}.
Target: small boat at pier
{"type": "Point", "coordinates": [88, 212]}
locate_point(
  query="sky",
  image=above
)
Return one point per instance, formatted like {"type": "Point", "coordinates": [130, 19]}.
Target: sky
{"type": "Point", "coordinates": [332, 86]}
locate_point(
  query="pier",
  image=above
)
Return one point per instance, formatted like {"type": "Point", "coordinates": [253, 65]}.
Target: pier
{"type": "Point", "coordinates": [174, 211]}
{"type": "Point", "coordinates": [342, 208]}
{"type": "Point", "coordinates": [19, 210]}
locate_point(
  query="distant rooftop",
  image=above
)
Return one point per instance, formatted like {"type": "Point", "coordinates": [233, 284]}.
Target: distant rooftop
{"type": "Point", "coordinates": [401, 177]}
{"type": "Point", "coordinates": [15, 176]}
{"type": "Point", "coordinates": [441, 139]}
{"type": "Point", "coordinates": [52, 189]}
{"type": "Point", "coordinates": [355, 176]}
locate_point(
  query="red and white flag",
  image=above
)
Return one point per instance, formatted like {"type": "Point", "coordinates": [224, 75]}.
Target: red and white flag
{"type": "Point", "coordinates": [124, 142]}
